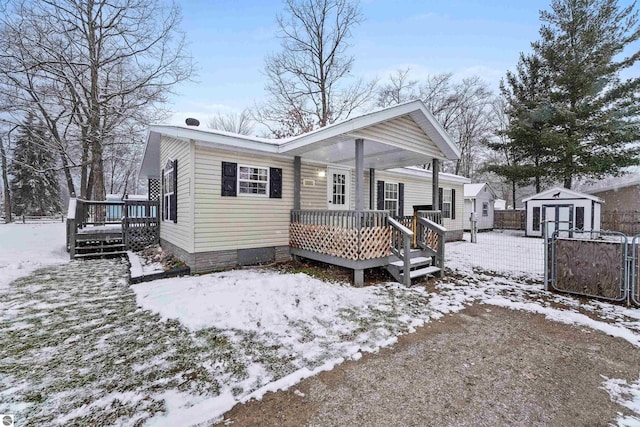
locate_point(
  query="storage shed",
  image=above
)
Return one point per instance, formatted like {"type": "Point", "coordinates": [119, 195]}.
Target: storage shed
{"type": "Point", "coordinates": [567, 209]}
{"type": "Point", "coordinates": [479, 198]}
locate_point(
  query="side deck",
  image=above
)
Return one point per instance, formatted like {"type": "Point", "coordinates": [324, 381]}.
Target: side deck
{"type": "Point", "coordinates": [110, 228]}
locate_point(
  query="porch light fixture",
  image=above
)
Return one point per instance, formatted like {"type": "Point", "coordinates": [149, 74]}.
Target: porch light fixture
{"type": "Point", "coordinates": [322, 173]}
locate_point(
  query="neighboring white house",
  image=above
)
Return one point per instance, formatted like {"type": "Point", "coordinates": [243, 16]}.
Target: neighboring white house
{"type": "Point", "coordinates": [566, 209]}
{"type": "Point", "coordinates": [499, 204]}
{"type": "Point", "coordinates": [479, 198]}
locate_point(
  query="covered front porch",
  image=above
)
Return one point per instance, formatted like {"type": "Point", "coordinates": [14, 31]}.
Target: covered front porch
{"type": "Point", "coordinates": [353, 233]}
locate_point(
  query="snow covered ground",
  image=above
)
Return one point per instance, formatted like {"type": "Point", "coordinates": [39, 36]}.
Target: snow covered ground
{"type": "Point", "coordinates": [500, 251]}
{"type": "Point", "coordinates": [80, 346]}
{"type": "Point", "coordinates": [27, 247]}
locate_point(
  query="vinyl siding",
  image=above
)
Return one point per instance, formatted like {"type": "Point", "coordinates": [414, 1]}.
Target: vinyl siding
{"type": "Point", "coordinates": [241, 222]}
{"type": "Point", "coordinates": [401, 132]}
{"type": "Point", "coordinates": [417, 191]}
{"type": "Point", "coordinates": [181, 233]}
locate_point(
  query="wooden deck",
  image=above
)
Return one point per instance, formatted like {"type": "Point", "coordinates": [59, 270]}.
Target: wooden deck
{"type": "Point", "coordinates": [366, 239]}
{"type": "Point", "coordinates": [105, 228]}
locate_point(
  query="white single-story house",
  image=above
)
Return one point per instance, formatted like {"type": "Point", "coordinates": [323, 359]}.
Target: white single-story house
{"type": "Point", "coordinates": [229, 199]}
{"type": "Point", "coordinates": [479, 199]}
{"type": "Point", "coordinates": [566, 209]}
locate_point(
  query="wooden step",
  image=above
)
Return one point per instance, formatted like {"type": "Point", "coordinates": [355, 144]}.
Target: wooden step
{"type": "Point", "coordinates": [100, 254]}
{"type": "Point", "coordinates": [94, 247]}
{"type": "Point", "coordinates": [414, 262]}
{"type": "Point", "coordinates": [427, 271]}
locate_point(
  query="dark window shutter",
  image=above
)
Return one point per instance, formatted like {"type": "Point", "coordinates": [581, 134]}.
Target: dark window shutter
{"type": "Point", "coordinates": [536, 218]}
{"type": "Point", "coordinates": [580, 217]}
{"type": "Point", "coordinates": [453, 203]}
{"type": "Point", "coordinates": [380, 203]}
{"type": "Point", "coordinates": [440, 199]}
{"type": "Point", "coordinates": [400, 199]}
{"type": "Point", "coordinates": [229, 175]}
{"type": "Point", "coordinates": [174, 198]}
{"type": "Point", "coordinates": [275, 183]}
{"type": "Point", "coordinates": [163, 190]}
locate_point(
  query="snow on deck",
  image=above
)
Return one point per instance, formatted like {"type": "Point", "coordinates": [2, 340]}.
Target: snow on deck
{"type": "Point", "coordinates": [27, 247]}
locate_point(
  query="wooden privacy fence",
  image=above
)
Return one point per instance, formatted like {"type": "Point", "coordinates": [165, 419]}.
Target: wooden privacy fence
{"type": "Point", "coordinates": [624, 222]}
{"type": "Point", "coordinates": [509, 220]}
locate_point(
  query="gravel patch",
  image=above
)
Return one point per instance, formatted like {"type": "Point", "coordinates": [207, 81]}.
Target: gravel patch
{"type": "Point", "coordinates": [484, 366]}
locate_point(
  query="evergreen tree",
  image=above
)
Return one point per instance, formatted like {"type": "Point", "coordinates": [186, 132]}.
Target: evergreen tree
{"type": "Point", "coordinates": [34, 185]}
{"type": "Point", "coordinates": [529, 141]}
{"type": "Point", "coordinates": [593, 113]}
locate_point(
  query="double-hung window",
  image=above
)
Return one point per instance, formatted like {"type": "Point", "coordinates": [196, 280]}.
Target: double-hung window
{"type": "Point", "coordinates": [446, 203]}
{"type": "Point", "coordinates": [391, 197]}
{"type": "Point", "coordinates": [168, 191]}
{"type": "Point", "coordinates": [485, 208]}
{"type": "Point", "coordinates": [253, 180]}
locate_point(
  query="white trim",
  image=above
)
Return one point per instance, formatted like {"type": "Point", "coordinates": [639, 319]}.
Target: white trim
{"type": "Point", "coordinates": [165, 194]}
{"type": "Point", "coordinates": [397, 199]}
{"type": "Point", "coordinates": [241, 194]}
{"type": "Point", "coordinates": [554, 190]}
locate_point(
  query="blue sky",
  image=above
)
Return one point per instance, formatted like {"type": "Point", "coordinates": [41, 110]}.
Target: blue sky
{"type": "Point", "coordinates": [229, 40]}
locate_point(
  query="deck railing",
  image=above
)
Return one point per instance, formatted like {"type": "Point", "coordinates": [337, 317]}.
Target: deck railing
{"type": "Point", "coordinates": [139, 220]}
{"type": "Point", "coordinates": [354, 235]}
{"type": "Point", "coordinates": [431, 239]}
{"type": "Point", "coordinates": [401, 238]}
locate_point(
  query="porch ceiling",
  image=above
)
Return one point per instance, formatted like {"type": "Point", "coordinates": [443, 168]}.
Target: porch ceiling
{"type": "Point", "coordinates": [377, 155]}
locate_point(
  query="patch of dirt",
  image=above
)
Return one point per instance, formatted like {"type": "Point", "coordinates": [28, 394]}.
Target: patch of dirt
{"type": "Point", "coordinates": [482, 366]}
{"type": "Point", "coordinates": [156, 254]}
{"type": "Point", "coordinates": [333, 273]}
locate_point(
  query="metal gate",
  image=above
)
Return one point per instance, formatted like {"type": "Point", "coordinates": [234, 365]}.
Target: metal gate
{"type": "Point", "coordinates": [594, 264]}
{"type": "Point", "coordinates": [635, 270]}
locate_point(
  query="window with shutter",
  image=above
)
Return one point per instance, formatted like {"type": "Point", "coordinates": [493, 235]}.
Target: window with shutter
{"type": "Point", "coordinates": [275, 183]}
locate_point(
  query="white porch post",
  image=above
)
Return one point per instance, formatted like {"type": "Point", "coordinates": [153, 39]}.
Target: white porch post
{"type": "Point", "coordinates": [296, 182]}
{"type": "Point", "coordinates": [435, 181]}
{"type": "Point", "coordinates": [359, 175]}
{"type": "Point", "coordinates": [358, 274]}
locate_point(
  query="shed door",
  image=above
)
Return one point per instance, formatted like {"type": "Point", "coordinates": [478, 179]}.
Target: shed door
{"type": "Point", "coordinates": [558, 217]}
{"type": "Point", "coordinates": [338, 186]}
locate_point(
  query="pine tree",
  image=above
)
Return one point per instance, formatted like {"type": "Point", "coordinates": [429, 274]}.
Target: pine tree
{"type": "Point", "coordinates": [34, 185]}
{"type": "Point", "coordinates": [592, 111]}
{"type": "Point", "coordinates": [530, 140]}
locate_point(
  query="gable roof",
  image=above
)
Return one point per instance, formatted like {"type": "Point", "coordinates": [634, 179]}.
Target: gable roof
{"type": "Point", "coordinates": [472, 190]}
{"type": "Point", "coordinates": [547, 194]}
{"type": "Point", "coordinates": [444, 148]}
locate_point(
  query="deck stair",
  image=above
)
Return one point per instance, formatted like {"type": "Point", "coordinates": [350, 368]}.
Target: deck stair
{"type": "Point", "coordinates": [91, 244]}
{"type": "Point", "coordinates": [419, 266]}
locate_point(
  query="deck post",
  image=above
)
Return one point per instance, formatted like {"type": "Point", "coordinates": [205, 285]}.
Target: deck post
{"type": "Point", "coordinates": [358, 278]}
{"type": "Point", "coordinates": [435, 181]}
{"type": "Point", "coordinates": [372, 188]}
{"type": "Point", "coordinates": [297, 174]}
{"type": "Point", "coordinates": [359, 175]}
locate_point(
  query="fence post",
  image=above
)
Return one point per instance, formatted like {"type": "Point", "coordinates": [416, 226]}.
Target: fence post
{"type": "Point", "coordinates": [546, 256]}
{"type": "Point", "coordinates": [474, 228]}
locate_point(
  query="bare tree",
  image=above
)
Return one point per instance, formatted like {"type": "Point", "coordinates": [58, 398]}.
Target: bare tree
{"type": "Point", "coordinates": [462, 108]}
{"type": "Point", "coordinates": [87, 67]}
{"type": "Point", "coordinates": [398, 89]}
{"type": "Point", "coordinates": [310, 77]}
{"type": "Point", "coordinates": [231, 122]}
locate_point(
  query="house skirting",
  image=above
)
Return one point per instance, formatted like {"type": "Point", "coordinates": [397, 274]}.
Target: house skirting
{"type": "Point", "coordinates": [202, 262]}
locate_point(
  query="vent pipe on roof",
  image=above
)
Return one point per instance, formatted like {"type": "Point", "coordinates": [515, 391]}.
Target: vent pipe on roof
{"type": "Point", "coordinates": [192, 122]}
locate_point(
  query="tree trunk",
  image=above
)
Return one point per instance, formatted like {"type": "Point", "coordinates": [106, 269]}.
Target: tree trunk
{"type": "Point", "coordinates": [5, 180]}
{"type": "Point", "coordinates": [84, 168]}
{"type": "Point", "coordinates": [67, 175]}
{"type": "Point", "coordinates": [513, 194]}
{"type": "Point", "coordinates": [98, 191]}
